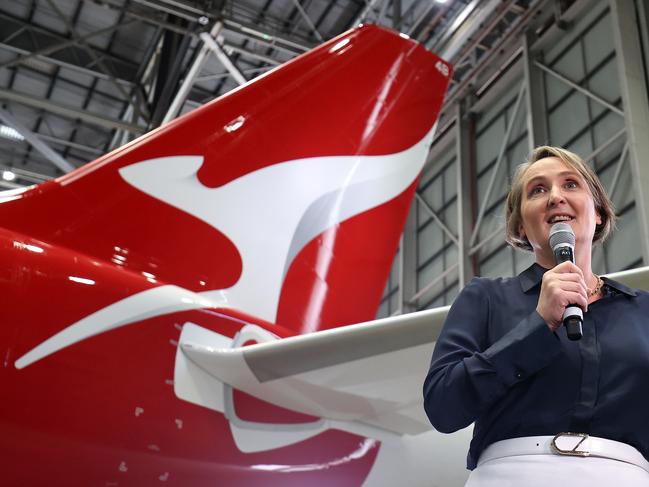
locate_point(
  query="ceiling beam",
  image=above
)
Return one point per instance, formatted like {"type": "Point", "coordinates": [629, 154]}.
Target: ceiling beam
{"type": "Point", "coordinates": [68, 111]}
{"type": "Point", "coordinates": [62, 42]}
{"type": "Point", "coordinates": [255, 32]}
{"type": "Point", "coordinates": [49, 153]}
{"type": "Point", "coordinates": [216, 47]}
{"type": "Point", "coordinates": [62, 64]}
{"type": "Point", "coordinates": [307, 19]}
{"type": "Point", "coordinates": [190, 77]}
{"type": "Point", "coordinates": [89, 49]}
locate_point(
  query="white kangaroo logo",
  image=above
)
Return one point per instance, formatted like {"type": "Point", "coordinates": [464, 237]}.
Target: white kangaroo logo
{"type": "Point", "coordinates": [269, 215]}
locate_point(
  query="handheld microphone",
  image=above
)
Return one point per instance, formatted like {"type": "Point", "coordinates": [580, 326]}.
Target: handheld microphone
{"type": "Point", "coordinates": [562, 242]}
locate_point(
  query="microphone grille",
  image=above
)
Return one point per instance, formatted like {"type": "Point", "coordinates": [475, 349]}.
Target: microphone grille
{"type": "Point", "coordinates": [561, 233]}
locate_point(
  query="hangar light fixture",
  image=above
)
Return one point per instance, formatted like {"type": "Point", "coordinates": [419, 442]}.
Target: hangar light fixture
{"type": "Point", "coordinates": [10, 133]}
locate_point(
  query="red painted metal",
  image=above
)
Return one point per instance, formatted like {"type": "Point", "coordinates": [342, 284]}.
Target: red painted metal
{"type": "Point", "coordinates": [103, 411]}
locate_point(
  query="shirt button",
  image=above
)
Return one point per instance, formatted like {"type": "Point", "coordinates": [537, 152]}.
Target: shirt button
{"type": "Point", "coordinates": [519, 375]}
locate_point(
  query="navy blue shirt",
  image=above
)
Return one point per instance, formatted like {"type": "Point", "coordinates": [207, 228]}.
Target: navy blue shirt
{"type": "Point", "coordinates": [497, 363]}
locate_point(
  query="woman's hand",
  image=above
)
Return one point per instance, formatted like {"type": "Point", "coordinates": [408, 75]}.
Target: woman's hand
{"type": "Point", "coordinates": [561, 286]}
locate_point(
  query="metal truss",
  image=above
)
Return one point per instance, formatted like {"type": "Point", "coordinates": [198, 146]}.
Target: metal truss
{"type": "Point", "coordinates": [524, 62]}
{"type": "Point", "coordinates": [177, 70]}
{"type": "Point", "coordinates": [195, 51]}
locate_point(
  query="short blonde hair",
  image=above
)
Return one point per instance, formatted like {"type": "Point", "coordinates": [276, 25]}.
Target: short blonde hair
{"type": "Point", "coordinates": [602, 202]}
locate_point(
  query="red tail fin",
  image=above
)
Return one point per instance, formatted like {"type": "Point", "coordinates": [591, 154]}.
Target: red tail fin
{"type": "Point", "coordinates": [286, 196]}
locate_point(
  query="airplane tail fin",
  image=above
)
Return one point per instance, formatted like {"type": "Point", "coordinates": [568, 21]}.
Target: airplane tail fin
{"type": "Point", "coordinates": [286, 197]}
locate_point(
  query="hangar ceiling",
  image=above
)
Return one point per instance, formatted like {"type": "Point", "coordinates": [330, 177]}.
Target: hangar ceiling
{"type": "Point", "coordinates": [81, 77]}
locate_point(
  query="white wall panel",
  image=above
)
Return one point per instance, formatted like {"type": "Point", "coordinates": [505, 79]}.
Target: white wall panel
{"type": "Point", "coordinates": [597, 42]}
{"type": "Point", "coordinates": [624, 242]}
{"type": "Point", "coordinates": [430, 240]}
{"type": "Point", "coordinates": [568, 119]}
{"type": "Point", "coordinates": [488, 143]}
{"type": "Point", "coordinates": [585, 55]}
{"type": "Point", "coordinates": [604, 83]}
{"type": "Point", "coordinates": [499, 264]}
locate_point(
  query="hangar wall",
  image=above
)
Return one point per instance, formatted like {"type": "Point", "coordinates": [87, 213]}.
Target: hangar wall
{"type": "Point", "coordinates": [583, 88]}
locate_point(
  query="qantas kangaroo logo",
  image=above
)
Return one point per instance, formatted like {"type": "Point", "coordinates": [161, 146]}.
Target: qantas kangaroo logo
{"type": "Point", "coordinates": [248, 242]}
{"type": "Point", "coordinates": [256, 206]}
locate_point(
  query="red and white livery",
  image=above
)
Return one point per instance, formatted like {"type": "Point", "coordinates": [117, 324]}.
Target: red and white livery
{"type": "Point", "coordinates": [195, 307]}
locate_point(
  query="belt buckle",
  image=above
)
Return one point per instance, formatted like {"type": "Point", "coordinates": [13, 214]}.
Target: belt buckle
{"type": "Point", "coordinates": [574, 452]}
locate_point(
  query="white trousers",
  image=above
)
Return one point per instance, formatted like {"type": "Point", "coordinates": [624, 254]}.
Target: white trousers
{"type": "Point", "coordinates": [549, 469]}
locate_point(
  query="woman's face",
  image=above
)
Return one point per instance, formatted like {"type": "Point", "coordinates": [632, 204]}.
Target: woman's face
{"type": "Point", "coordinates": [554, 192]}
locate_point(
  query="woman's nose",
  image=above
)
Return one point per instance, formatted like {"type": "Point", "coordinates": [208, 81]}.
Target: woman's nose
{"type": "Point", "coordinates": [555, 196]}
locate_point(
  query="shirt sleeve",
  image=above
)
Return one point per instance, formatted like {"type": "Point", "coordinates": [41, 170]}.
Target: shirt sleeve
{"type": "Point", "coordinates": [468, 374]}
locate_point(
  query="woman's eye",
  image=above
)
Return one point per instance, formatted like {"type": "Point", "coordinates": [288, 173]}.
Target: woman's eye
{"type": "Point", "coordinates": [537, 190]}
{"type": "Point", "coordinates": [571, 184]}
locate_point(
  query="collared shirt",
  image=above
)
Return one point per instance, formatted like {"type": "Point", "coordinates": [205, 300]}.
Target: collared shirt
{"type": "Point", "coordinates": [497, 363]}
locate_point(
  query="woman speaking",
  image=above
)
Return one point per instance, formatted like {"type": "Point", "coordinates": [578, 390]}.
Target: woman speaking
{"type": "Point", "coordinates": [546, 407]}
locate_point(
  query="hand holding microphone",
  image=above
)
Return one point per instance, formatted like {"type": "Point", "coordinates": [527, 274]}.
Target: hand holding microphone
{"type": "Point", "coordinates": [563, 292]}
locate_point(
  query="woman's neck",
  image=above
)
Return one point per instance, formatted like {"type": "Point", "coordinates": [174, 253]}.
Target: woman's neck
{"type": "Point", "coordinates": [545, 258]}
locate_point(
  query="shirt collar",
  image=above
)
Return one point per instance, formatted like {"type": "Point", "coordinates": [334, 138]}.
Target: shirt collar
{"type": "Point", "coordinates": [618, 286]}
{"type": "Point", "coordinates": [531, 277]}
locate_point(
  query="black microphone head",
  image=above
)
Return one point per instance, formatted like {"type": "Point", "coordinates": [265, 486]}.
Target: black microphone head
{"type": "Point", "coordinates": [561, 234]}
